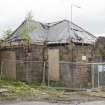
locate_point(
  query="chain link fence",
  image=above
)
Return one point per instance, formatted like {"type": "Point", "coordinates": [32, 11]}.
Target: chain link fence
{"type": "Point", "coordinates": [83, 75]}
{"type": "Point", "coordinates": [98, 75]}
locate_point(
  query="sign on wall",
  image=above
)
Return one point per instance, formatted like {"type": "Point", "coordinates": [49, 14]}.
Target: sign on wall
{"type": "Point", "coordinates": [83, 58]}
{"type": "Point", "coordinates": [101, 68]}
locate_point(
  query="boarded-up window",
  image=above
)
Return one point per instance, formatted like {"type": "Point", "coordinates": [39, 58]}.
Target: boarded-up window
{"type": "Point", "coordinates": [8, 64]}
{"type": "Point", "coordinates": [53, 63]}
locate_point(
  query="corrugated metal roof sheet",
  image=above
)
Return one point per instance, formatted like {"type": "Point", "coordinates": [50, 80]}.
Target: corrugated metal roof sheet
{"type": "Point", "coordinates": [57, 32]}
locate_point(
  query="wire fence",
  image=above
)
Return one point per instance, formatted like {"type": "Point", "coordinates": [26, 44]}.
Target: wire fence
{"type": "Point", "coordinates": [71, 74]}
{"type": "Point", "coordinates": [83, 75]}
{"type": "Point", "coordinates": [21, 70]}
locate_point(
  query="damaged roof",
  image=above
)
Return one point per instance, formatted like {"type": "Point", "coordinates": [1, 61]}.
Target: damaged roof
{"type": "Point", "coordinates": [52, 33]}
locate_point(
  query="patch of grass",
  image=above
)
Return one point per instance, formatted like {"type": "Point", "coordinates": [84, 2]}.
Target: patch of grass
{"type": "Point", "coordinates": [17, 87]}
{"type": "Point", "coordinates": [103, 89]}
{"type": "Point", "coordinates": [57, 83]}
{"type": "Point", "coordinates": [32, 90]}
{"type": "Point", "coordinates": [85, 85]}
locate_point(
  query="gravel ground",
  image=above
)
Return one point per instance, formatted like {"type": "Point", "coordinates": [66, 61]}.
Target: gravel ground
{"type": "Point", "coordinates": [94, 103]}
{"type": "Point", "coordinates": [46, 103]}
{"type": "Point", "coordinates": [72, 98]}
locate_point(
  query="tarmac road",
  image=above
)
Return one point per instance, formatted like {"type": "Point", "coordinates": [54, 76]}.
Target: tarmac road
{"type": "Point", "coordinates": [32, 103]}
{"type": "Point", "coordinates": [46, 103]}
{"type": "Point", "coordinates": [37, 103]}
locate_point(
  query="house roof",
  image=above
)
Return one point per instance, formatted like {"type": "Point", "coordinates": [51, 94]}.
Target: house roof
{"type": "Point", "coordinates": [56, 32]}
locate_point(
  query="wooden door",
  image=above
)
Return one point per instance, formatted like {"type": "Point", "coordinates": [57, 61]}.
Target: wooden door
{"type": "Point", "coordinates": [53, 64]}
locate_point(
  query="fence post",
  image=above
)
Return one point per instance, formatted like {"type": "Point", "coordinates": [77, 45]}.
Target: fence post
{"type": "Point", "coordinates": [98, 79]}
{"type": "Point", "coordinates": [1, 72]}
{"type": "Point", "coordinates": [48, 77]}
{"type": "Point", "coordinates": [92, 75]}
{"type": "Point", "coordinates": [44, 73]}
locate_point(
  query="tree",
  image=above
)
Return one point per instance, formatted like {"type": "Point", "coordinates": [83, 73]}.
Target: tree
{"type": "Point", "coordinates": [7, 33]}
{"type": "Point", "coordinates": [29, 16]}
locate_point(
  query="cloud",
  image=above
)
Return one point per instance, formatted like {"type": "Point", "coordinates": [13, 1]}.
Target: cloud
{"type": "Point", "coordinates": [91, 16]}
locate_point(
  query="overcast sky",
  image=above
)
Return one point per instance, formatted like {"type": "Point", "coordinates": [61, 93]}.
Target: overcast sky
{"type": "Point", "coordinates": [91, 16]}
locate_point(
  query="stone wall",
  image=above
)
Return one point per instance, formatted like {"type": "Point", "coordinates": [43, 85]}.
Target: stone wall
{"type": "Point", "coordinates": [29, 68]}
{"type": "Point", "coordinates": [81, 75]}
{"type": "Point", "coordinates": [75, 75]}
{"type": "Point", "coordinates": [72, 75]}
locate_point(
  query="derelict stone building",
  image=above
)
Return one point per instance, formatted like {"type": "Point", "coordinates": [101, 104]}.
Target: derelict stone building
{"type": "Point", "coordinates": [43, 52]}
